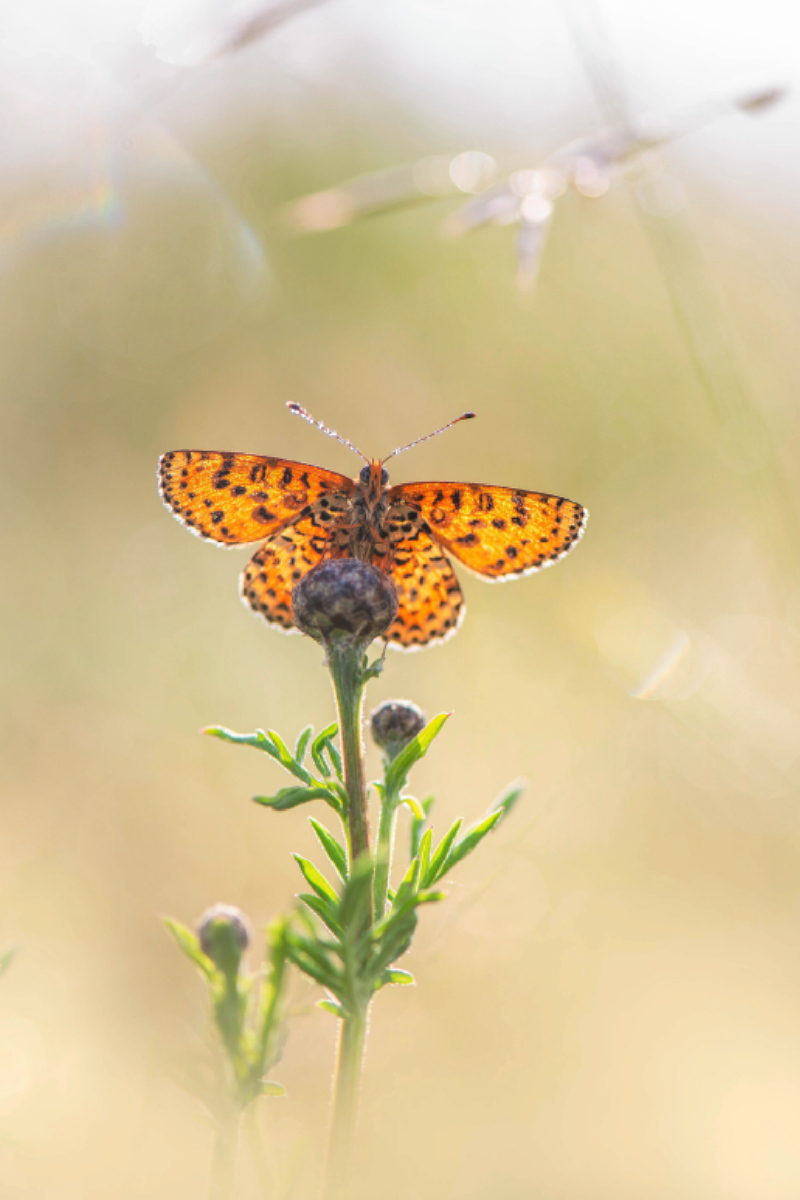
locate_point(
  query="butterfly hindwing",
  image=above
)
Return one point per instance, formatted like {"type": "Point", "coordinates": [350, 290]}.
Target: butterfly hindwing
{"type": "Point", "coordinates": [236, 498]}
{"type": "Point", "coordinates": [430, 604]}
{"type": "Point", "coordinates": [498, 532]}
{"type": "Point", "coordinates": [276, 569]}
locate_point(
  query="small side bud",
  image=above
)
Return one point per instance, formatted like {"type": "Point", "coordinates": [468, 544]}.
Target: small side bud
{"type": "Point", "coordinates": [394, 724]}
{"type": "Point", "coordinates": [224, 935]}
{"type": "Point", "coordinates": [344, 601]}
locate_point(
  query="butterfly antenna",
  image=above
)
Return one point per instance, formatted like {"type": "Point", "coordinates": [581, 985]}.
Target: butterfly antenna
{"type": "Point", "coordinates": [299, 411]}
{"type": "Point", "coordinates": [467, 416]}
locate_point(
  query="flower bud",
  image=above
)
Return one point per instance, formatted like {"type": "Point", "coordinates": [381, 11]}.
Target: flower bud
{"type": "Point", "coordinates": [343, 601]}
{"type": "Point", "coordinates": [224, 936]}
{"type": "Point", "coordinates": [394, 724]}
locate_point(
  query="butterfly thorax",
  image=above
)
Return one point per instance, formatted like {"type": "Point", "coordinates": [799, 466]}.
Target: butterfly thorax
{"type": "Point", "coordinates": [362, 531]}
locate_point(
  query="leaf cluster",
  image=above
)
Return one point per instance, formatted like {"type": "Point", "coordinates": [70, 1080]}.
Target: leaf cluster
{"type": "Point", "coordinates": [358, 935]}
{"type": "Point", "coordinates": [327, 785]}
{"type": "Point", "coordinates": [355, 957]}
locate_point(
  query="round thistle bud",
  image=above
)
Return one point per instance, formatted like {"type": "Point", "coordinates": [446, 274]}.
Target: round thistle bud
{"type": "Point", "coordinates": [394, 724]}
{"type": "Point", "coordinates": [224, 936]}
{"type": "Point", "coordinates": [343, 601]}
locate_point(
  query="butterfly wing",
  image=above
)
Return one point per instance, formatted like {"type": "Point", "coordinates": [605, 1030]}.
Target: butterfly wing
{"type": "Point", "coordinates": [277, 568]}
{"type": "Point", "coordinates": [236, 498]}
{"type": "Point", "coordinates": [430, 604]}
{"type": "Point", "coordinates": [498, 532]}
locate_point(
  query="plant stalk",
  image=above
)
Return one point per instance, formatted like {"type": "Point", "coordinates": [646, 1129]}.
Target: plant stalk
{"type": "Point", "coordinates": [383, 852]}
{"type": "Point", "coordinates": [259, 1158]}
{"type": "Point", "coordinates": [223, 1163]}
{"type": "Point", "coordinates": [345, 663]}
{"type": "Point", "coordinates": [352, 1034]}
{"type": "Point", "coordinates": [347, 673]}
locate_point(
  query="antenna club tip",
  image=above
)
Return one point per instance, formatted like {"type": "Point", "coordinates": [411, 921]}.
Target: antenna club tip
{"type": "Point", "coordinates": [293, 406]}
{"type": "Point", "coordinates": [468, 415]}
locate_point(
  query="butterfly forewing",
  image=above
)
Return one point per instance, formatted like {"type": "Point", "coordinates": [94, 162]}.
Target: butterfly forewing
{"type": "Point", "coordinates": [498, 532]}
{"type": "Point", "coordinates": [236, 498]}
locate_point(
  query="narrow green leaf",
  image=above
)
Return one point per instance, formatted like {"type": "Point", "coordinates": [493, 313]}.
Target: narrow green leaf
{"type": "Point", "coordinates": [268, 1088]}
{"type": "Point", "coordinates": [316, 880]}
{"type": "Point", "coordinates": [280, 746]}
{"type": "Point", "coordinates": [340, 790]}
{"type": "Point", "coordinates": [334, 850]}
{"type": "Point", "coordinates": [397, 771]}
{"type": "Point", "coordinates": [394, 941]}
{"type": "Point", "coordinates": [318, 746]}
{"type": "Point", "coordinates": [335, 757]}
{"type": "Point", "coordinates": [417, 826]}
{"type": "Point", "coordinates": [324, 910]}
{"type": "Point", "coordinates": [313, 947]}
{"type": "Point", "coordinates": [291, 797]}
{"type": "Point", "coordinates": [257, 740]}
{"type": "Point", "coordinates": [286, 759]}
{"type": "Point", "coordinates": [430, 897]}
{"type": "Point", "coordinates": [270, 743]}
{"type": "Point", "coordinates": [332, 1007]}
{"type": "Point", "coordinates": [374, 669]}
{"type": "Point", "coordinates": [442, 851]}
{"type": "Point", "coordinates": [189, 943]}
{"type": "Point", "coordinates": [302, 744]}
{"type": "Point", "coordinates": [409, 884]}
{"type": "Point", "coordinates": [395, 975]}
{"type": "Point", "coordinates": [323, 975]}
{"type": "Point", "coordinates": [470, 840]}
{"type": "Point", "coordinates": [317, 947]}
{"type": "Point", "coordinates": [425, 853]}
{"type": "Point", "coordinates": [417, 810]}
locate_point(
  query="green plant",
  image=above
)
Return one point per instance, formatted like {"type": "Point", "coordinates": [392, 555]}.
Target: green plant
{"type": "Point", "coordinates": [353, 926]}
{"type": "Point", "coordinates": [247, 1010]}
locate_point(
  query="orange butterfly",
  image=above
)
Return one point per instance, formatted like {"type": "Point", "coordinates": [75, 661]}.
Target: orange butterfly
{"type": "Point", "coordinates": [305, 514]}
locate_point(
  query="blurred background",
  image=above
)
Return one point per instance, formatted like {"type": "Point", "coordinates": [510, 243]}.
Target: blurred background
{"type": "Point", "coordinates": [609, 1003]}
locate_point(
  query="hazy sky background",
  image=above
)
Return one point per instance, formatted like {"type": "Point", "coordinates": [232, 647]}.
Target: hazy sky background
{"type": "Point", "coordinates": [505, 72]}
{"type": "Point", "coordinates": [615, 1010]}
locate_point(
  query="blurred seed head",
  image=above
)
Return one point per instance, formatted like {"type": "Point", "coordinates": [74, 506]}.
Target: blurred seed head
{"type": "Point", "coordinates": [394, 724]}
{"type": "Point", "coordinates": [224, 934]}
{"type": "Point", "coordinates": [344, 601]}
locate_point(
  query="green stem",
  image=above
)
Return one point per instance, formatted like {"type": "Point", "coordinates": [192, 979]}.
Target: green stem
{"type": "Point", "coordinates": [347, 672]}
{"type": "Point", "coordinates": [352, 1034]}
{"type": "Point", "coordinates": [345, 662]}
{"type": "Point", "coordinates": [223, 1163]}
{"type": "Point", "coordinates": [383, 852]}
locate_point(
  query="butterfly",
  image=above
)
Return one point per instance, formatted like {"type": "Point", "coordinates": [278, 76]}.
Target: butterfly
{"type": "Point", "coordinates": [305, 514]}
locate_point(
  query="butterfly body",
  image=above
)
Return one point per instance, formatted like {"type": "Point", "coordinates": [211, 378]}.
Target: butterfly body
{"type": "Point", "coordinates": [305, 514]}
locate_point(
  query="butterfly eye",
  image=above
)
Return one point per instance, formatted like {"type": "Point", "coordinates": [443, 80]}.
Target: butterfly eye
{"type": "Point", "coordinates": [364, 474]}
{"type": "Point", "coordinates": [384, 477]}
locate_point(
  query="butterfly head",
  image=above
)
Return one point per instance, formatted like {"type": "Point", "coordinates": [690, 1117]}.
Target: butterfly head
{"type": "Point", "coordinates": [374, 477]}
